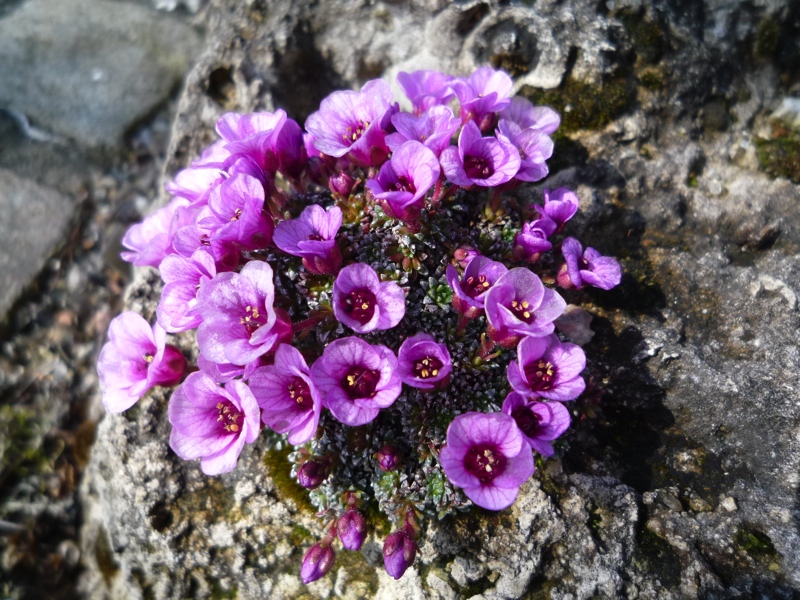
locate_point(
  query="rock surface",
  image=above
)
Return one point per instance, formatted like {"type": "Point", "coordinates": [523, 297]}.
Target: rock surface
{"type": "Point", "coordinates": [90, 69]}
{"type": "Point", "coordinates": [33, 223]}
{"type": "Point", "coordinates": [681, 478]}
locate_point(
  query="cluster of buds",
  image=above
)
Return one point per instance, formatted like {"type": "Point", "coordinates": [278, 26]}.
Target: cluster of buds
{"type": "Point", "coordinates": [241, 213]}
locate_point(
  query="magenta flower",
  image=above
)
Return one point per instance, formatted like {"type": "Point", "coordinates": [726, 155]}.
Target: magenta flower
{"type": "Point", "coordinates": [388, 458]}
{"type": "Point", "coordinates": [356, 379]}
{"type": "Point", "coordinates": [364, 303]}
{"type": "Point", "coordinates": [312, 236]}
{"type": "Point", "coordinates": [547, 368]}
{"type": "Point", "coordinates": [518, 305]}
{"type": "Point", "coordinates": [434, 129]}
{"type": "Point", "coordinates": [317, 561]}
{"type": "Point", "coordinates": [483, 161]}
{"type": "Point", "coordinates": [195, 184]}
{"type": "Point", "coordinates": [587, 267]}
{"type": "Point", "coordinates": [469, 294]}
{"type": "Point", "coordinates": [426, 88]}
{"type": "Point", "coordinates": [528, 116]}
{"type": "Point", "coordinates": [150, 241]}
{"type": "Point", "coordinates": [350, 123]}
{"type": "Point", "coordinates": [424, 364]}
{"type": "Point", "coordinates": [351, 529]}
{"type": "Point", "coordinates": [486, 455]}
{"type": "Point", "coordinates": [239, 322]}
{"type": "Point", "coordinates": [403, 181]}
{"type": "Point", "coordinates": [134, 359]}
{"type": "Point", "coordinates": [212, 423]}
{"type": "Point", "coordinates": [183, 277]}
{"type": "Point", "coordinates": [559, 206]}
{"type": "Point", "coordinates": [253, 137]}
{"type": "Point", "coordinates": [534, 149]}
{"type": "Point", "coordinates": [399, 551]}
{"type": "Point", "coordinates": [235, 213]}
{"type": "Point", "coordinates": [191, 238]}
{"type": "Point", "coordinates": [539, 422]}
{"type": "Point", "coordinates": [313, 472]}
{"type": "Point", "coordinates": [482, 94]}
{"type": "Point", "coordinates": [532, 240]}
{"type": "Point", "coordinates": [288, 398]}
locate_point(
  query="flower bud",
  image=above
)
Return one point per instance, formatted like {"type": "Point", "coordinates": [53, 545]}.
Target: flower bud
{"type": "Point", "coordinates": [341, 184]}
{"type": "Point", "coordinates": [563, 278]}
{"type": "Point", "coordinates": [313, 473]}
{"type": "Point", "coordinates": [399, 551]}
{"type": "Point", "coordinates": [317, 561]}
{"type": "Point", "coordinates": [388, 458]}
{"type": "Point", "coordinates": [352, 529]}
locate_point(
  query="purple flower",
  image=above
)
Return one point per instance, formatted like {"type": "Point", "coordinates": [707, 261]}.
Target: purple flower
{"type": "Point", "coordinates": [183, 277]}
{"type": "Point", "coordinates": [356, 379]}
{"type": "Point", "coordinates": [351, 529]}
{"type": "Point", "coordinates": [399, 551]}
{"type": "Point", "coordinates": [235, 213]}
{"type": "Point", "coordinates": [313, 472]}
{"type": "Point", "coordinates": [518, 305]}
{"type": "Point", "coordinates": [559, 206]}
{"type": "Point", "coordinates": [587, 267]}
{"type": "Point", "coordinates": [534, 149]}
{"type": "Point", "coordinates": [424, 364]}
{"type": "Point", "coordinates": [539, 422]}
{"type": "Point", "coordinates": [364, 303]}
{"type": "Point", "coordinates": [253, 137]}
{"type": "Point", "coordinates": [528, 116]}
{"type": "Point", "coordinates": [342, 184]}
{"type": "Point", "coordinates": [482, 94]}
{"type": "Point", "coordinates": [483, 161]}
{"type": "Point", "coordinates": [469, 294]}
{"type": "Point", "coordinates": [404, 180]}
{"type": "Point", "coordinates": [288, 398]}
{"type": "Point", "coordinates": [317, 561]}
{"type": "Point", "coordinates": [388, 458]}
{"type": "Point", "coordinates": [195, 184]}
{"type": "Point", "coordinates": [349, 122]}
{"type": "Point", "coordinates": [151, 240]}
{"type": "Point", "coordinates": [547, 368]}
{"type": "Point", "coordinates": [191, 238]}
{"type": "Point", "coordinates": [434, 128]}
{"type": "Point", "coordinates": [212, 423]}
{"type": "Point", "coordinates": [312, 236]}
{"type": "Point", "coordinates": [239, 322]}
{"type": "Point", "coordinates": [134, 359]}
{"type": "Point", "coordinates": [487, 456]}
{"type": "Point", "coordinates": [531, 241]}
{"type": "Point", "coordinates": [426, 88]}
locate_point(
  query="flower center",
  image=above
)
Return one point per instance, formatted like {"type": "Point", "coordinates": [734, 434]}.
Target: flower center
{"type": "Point", "coordinates": [236, 214]}
{"type": "Point", "coordinates": [404, 184]}
{"type": "Point", "coordinates": [540, 375]}
{"type": "Point", "coordinates": [522, 311]}
{"type": "Point", "coordinates": [148, 358]}
{"type": "Point", "coordinates": [360, 304]}
{"type": "Point", "coordinates": [315, 237]}
{"type": "Point", "coordinates": [229, 417]}
{"type": "Point", "coordinates": [427, 367]}
{"type": "Point", "coordinates": [250, 320]}
{"type": "Point", "coordinates": [527, 420]}
{"type": "Point", "coordinates": [583, 264]}
{"type": "Point", "coordinates": [355, 132]}
{"type": "Point", "coordinates": [477, 167]}
{"type": "Point", "coordinates": [300, 393]}
{"type": "Point", "coordinates": [475, 286]}
{"type": "Point", "coordinates": [485, 462]}
{"type": "Point", "coordinates": [360, 382]}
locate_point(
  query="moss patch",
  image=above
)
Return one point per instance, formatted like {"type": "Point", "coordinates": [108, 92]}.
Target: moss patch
{"type": "Point", "coordinates": [780, 157]}
{"type": "Point", "coordinates": [279, 469]}
{"type": "Point", "coordinates": [755, 543]}
{"type": "Point", "coordinates": [767, 37]}
{"type": "Point", "coordinates": [654, 555]}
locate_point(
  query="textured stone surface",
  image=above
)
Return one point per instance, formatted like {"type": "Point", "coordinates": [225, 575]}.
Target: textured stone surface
{"type": "Point", "coordinates": [33, 223]}
{"type": "Point", "coordinates": [681, 478]}
{"type": "Point", "coordinates": [90, 69]}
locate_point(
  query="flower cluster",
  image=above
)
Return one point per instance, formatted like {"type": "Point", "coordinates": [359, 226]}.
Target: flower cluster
{"type": "Point", "coordinates": [367, 292]}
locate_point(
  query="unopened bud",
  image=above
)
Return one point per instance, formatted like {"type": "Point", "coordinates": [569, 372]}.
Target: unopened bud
{"type": "Point", "coordinates": [317, 562]}
{"type": "Point", "coordinates": [352, 529]}
{"type": "Point", "coordinates": [399, 551]}
{"type": "Point", "coordinates": [388, 458]}
{"type": "Point", "coordinates": [341, 184]}
{"type": "Point", "coordinates": [313, 473]}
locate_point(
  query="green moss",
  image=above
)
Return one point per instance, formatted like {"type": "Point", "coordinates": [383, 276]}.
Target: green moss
{"type": "Point", "coordinates": [651, 79]}
{"type": "Point", "coordinates": [755, 543]}
{"type": "Point", "coordinates": [220, 593]}
{"type": "Point", "coordinates": [767, 38]}
{"type": "Point", "coordinates": [649, 41]}
{"type": "Point", "coordinates": [780, 157]}
{"type": "Point", "coordinates": [653, 554]}
{"type": "Point", "coordinates": [105, 557]}
{"type": "Point", "coordinates": [21, 450]}
{"type": "Point", "coordinates": [279, 469]}
{"type": "Point", "coordinates": [585, 106]}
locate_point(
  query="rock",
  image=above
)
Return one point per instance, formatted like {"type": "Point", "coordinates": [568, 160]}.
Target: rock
{"type": "Point", "coordinates": [90, 69]}
{"type": "Point", "coordinates": [34, 222]}
{"type": "Point", "coordinates": [693, 361]}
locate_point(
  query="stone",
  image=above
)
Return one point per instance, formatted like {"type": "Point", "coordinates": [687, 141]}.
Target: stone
{"type": "Point", "coordinates": [90, 69]}
{"type": "Point", "coordinates": [693, 361]}
{"type": "Point", "coordinates": [34, 222]}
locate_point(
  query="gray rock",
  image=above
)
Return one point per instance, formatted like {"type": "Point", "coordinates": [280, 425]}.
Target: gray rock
{"type": "Point", "coordinates": [90, 69]}
{"type": "Point", "coordinates": [34, 221]}
{"type": "Point", "coordinates": [693, 362]}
